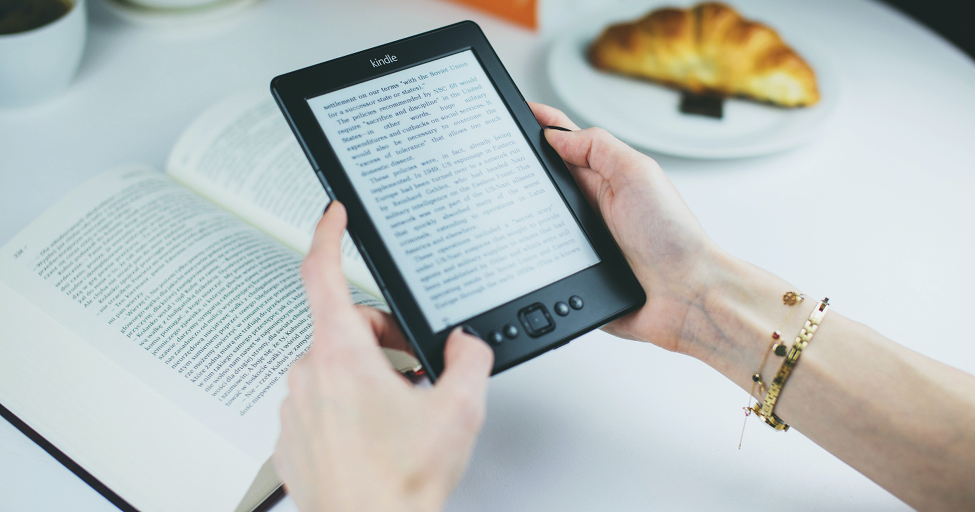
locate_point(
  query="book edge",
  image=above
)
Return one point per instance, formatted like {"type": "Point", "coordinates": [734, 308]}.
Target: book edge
{"type": "Point", "coordinates": [66, 461]}
{"type": "Point", "coordinates": [96, 484]}
{"type": "Point", "coordinates": [271, 500]}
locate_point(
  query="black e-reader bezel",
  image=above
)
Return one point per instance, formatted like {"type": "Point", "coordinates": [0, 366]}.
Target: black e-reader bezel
{"type": "Point", "coordinates": [560, 311]}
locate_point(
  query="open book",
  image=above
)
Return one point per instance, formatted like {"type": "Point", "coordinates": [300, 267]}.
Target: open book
{"type": "Point", "coordinates": [147, 320]}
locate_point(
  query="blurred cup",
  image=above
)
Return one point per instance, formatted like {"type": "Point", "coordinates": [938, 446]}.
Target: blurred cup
{"type": "Point", "coordinates": [41, 42]}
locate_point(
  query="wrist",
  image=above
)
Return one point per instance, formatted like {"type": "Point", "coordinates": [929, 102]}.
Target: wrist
{"type": "Point", "coordinates": [730, 329]}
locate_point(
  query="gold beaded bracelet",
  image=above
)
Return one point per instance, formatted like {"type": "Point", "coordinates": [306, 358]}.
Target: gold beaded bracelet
{"type": "Point", "coordinates": [767, 411]}
{"type": "Point", "coordinates": [791, 299]}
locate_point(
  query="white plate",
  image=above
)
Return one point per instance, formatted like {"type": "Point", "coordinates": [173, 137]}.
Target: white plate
{"type": "Point", "coordinates": [209, 12]}
{"type": "Point", "coordinates": [646, 115]}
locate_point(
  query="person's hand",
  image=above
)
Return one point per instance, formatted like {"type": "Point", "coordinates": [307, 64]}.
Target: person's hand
{"type": "Point", "coordinates": [355, 435]}
{"type": "Point", "coordinates": [850, 390]}
{"type": "Point", "coordinates": [662, 240]}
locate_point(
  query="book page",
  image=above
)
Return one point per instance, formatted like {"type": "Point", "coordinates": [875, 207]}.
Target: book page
{"type": "Point", "coordinates": [141, 445]}
{"type": "Point", "coordinates": [241, 155]}
{"type": "Point", "coordinates": [204, 308]}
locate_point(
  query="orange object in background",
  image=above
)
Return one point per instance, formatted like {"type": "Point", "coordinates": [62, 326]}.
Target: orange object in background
{"type": "Point", "coordinates": [522, 12]}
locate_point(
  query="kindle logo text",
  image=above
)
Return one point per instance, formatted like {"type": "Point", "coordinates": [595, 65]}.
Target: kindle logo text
{"type": "Point", "coordinates": [385, 60]}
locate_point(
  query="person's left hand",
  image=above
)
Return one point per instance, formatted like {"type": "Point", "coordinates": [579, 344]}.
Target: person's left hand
{"type": "Point", "coordinates": [355, 435]}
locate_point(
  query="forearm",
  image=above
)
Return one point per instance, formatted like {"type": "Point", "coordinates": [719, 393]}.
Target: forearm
{"type": "Point", "coordinates": [903, 420]}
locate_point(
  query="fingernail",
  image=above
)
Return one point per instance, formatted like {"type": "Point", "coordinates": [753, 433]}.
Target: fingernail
{"type": "Point", "coordinates": [559, 128]}
{"type": "Point", "coordinates": [467, 329]}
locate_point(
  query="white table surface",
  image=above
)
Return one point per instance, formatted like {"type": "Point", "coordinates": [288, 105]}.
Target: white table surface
{"type": "Point", "coordinates": [601, 424]}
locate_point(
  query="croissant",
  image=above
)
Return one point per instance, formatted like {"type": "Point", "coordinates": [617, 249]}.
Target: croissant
{"type": "Point", "coordinates": [707, 49]}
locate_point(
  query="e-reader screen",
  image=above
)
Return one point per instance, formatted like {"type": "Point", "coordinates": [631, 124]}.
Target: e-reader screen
{"type": "Point", "coordinates": [465, 208]}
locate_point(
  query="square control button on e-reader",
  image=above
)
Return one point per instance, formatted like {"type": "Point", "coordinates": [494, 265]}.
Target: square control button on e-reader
{"type": "Point", "coordinates": [461, 210]}
{"type": "Point", "coordinates": [536, 319]}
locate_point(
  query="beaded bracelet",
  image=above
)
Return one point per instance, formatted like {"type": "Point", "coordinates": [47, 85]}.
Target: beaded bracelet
{"type": "Point", "coordinates": [791, 299]}
{"type": "Point", "coordinates": [767, 411]}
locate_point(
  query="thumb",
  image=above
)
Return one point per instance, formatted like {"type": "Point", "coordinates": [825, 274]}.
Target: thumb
{"type": "Point", "coordinates": [468, 362]}
{"type": "Point", "coordinates": [596, 149]}
{"type": "Point", "coordinates": [325, 286]}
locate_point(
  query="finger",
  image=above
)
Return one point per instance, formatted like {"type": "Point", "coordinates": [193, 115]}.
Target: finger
{"type": "Point", "coordinates": [325, 285]}
{"type": "Point", "coordinates": [386, 330]}
{"type": "Point", "coordinates": [551, 116]}
{"type": "Point", "coordinates": [588, 181]}
{"type": "Point", "coordinates": [596, 149]}
{"type": "Point", "coordinates": [467, 366]}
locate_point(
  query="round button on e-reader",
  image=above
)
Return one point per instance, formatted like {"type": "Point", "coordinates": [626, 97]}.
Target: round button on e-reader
{"type": "Point", "coordinates": [495, 338]}
{"type": "Point", "coordinates": [561, 308]}
{"type": "Point", "coordinates": [576, 302]}
{"type": "Point", "coordinates": [511, 331]}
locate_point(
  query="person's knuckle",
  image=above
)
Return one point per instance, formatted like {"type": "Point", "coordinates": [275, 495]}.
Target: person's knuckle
{"type": "Point", "coordinates": [601, 135]}
{"type": "Point", "coordinates": [371, 314]}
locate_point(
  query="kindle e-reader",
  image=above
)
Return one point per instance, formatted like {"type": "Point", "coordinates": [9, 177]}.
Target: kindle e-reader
{"type": "Point", "coordinates": [460, 208]}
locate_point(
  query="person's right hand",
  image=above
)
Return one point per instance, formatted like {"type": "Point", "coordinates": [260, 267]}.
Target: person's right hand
{"type": "Point", "coordinates": [355, 435]}
{"type": "Point", "coordinates": [662, 240]}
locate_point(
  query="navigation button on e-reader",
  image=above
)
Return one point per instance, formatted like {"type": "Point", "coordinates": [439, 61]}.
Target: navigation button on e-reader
{"type": "Point", "coordinates": [495, 338]}
{"type": "Point", "coordinates": [576, 302]}
{"type": "Point", "coordinates": [511, 331]}
{"type": "Point", "coordinates": [536, 320]}
{"type": "Point", "coordinates": [561, 308]}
